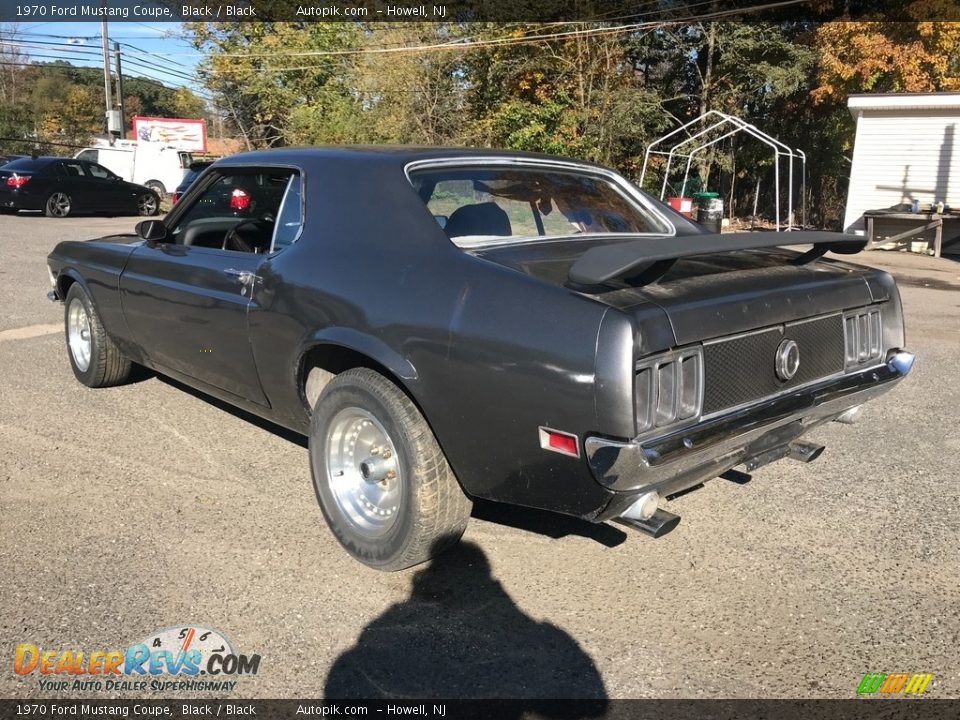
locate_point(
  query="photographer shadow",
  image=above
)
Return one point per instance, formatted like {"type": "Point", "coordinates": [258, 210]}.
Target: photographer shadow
{"type": "Point", "coordinates": [459, 635]}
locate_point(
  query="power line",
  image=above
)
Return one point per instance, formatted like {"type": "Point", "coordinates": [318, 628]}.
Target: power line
{"type": "Point", "coordinates": [153, 54]}
{"type": "Point", "coordinates": [139, 74]}
{"type": "Point", "coordinates": [70, 48]}
{"type": "Point", "coordinates": [468, 44]}
{"type": "Point", "coordinates": [67, 52]}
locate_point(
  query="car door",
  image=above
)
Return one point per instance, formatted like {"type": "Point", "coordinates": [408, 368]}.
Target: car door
{"type": "Point", "coordinates": [112, 194]}
{"type": "Point", "coordinates": [186, 300]}
{"type": "Point", "coordinates": [76, 182]}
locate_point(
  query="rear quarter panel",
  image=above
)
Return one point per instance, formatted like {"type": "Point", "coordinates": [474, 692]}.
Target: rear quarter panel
{"type": "Point", "coordinates": [488, 354]}
{"type": "Point", "coordinates": [96, 264]}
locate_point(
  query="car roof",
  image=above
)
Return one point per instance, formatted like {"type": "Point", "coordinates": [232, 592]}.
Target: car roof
{"type": "Point", "coordinates": [26, 161]}
{"type": "Point", "coordinates": [381, 154]}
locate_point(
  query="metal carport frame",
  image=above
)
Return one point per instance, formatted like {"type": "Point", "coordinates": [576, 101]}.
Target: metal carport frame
{"type": "Point", "coordinates": [779, 148]}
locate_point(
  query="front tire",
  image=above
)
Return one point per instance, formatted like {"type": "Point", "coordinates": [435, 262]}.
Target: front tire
{"type": "Point", "coordinates": [58, 205]}
{"type": "Point", "coordinates": [384, 485]}
{"type": "Point", "coordinates": [95, 358]}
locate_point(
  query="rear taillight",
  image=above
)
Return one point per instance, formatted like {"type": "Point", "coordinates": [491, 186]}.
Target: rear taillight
{"type": "Point", "coordinates": [862, 332]}
{"type": "Point", "coordinates": [669, 389]}
{"type": "Point", "coordinates": [174, 197]}
{"type": "Point", "coordinates": [17, 181]}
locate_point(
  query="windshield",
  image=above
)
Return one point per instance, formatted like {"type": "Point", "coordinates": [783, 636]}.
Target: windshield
{"type": "Point", "coordinates": [488, 205]}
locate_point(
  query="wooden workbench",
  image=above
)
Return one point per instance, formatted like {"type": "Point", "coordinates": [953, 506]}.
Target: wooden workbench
{"type": "Point", "coordinates": [923, 222]}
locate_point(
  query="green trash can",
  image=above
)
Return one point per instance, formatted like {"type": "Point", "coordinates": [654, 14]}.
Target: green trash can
{"type": "Point", "coordinates": [709, 210]}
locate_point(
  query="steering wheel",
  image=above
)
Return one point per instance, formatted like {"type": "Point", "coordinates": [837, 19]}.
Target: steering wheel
{"type": "Point", "coordinates": [234, 239]}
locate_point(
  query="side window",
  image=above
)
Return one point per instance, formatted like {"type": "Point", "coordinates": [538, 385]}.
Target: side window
{"type": "Point", "coordinates": [99, 171]}
{"type": "Point", "coordinates": [290, 219]}
{"type": "Point", "coordinates": [238, 211]}
{"type": "Point", "coordinates": [90, 155]}
{"type": "Point", "coordinates": [73, 169]}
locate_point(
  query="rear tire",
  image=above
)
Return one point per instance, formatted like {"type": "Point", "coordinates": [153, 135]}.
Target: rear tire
{"type": "Point", "coordinates": [157, 187]}
{"type": "Point", "coordinates": [384, 485]}
{"type": "Point", "coordinates": [148, 204]}
{"type": "Point", "coordinates": [95, 358]}
{"type": "Point", "coordinates": [58, 205]}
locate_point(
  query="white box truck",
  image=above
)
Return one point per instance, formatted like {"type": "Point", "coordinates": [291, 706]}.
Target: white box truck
{"type": "Point", "coordinates": [159, 167]}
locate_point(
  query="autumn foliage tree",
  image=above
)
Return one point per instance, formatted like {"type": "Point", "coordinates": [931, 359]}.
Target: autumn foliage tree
{"type": "Point", "coordinates": [887, 57]}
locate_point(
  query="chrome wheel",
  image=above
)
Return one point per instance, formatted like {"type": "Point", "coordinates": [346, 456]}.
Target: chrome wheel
{"type": "Point", "coordinates": [58, 204]}
{"type": "Point", "coordinates": [363, 472]}
{"type": "Point", "coordinates": [147, 204]}
{"type": "Point", "coordinates": [78, 334]}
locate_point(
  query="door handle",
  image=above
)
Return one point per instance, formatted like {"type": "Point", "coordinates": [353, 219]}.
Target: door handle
{"type": "Point", "coordinates": [244, 277]}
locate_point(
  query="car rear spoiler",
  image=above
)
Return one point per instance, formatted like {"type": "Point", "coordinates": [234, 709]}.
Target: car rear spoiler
{"type": "Point", "coordinates": [645, 261]}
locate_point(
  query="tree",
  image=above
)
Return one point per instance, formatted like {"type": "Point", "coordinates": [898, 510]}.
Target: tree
{"type": "Point", "coordinates": [272, 98]}
{"type": "Point", "coordinates": [887, 57]}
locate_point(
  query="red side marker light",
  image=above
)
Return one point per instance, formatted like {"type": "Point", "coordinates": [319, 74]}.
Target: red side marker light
{"type": "Point", "coordinates": [561, 442]}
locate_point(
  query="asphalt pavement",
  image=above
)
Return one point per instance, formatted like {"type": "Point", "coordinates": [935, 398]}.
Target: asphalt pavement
{"type": "Point", "coordinates": [128, 510]}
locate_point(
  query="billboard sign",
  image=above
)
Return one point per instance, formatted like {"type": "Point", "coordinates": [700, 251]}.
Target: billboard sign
{"type": "Point", "coordinates": [183, 133]}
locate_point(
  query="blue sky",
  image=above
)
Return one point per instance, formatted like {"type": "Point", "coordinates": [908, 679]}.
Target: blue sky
{"type": "Point", "coordinates": [153, 50]}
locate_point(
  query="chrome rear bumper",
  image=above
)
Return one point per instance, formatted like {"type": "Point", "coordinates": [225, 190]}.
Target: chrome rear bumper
{"type": "Point", "coordinates": [690, 456]}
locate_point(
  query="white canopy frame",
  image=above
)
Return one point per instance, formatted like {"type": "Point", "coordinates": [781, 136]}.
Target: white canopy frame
{"type": "Point", "coordinates": [720, 119]}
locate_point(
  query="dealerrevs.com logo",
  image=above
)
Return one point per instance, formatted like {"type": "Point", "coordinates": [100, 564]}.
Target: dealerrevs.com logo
{"type": "Point", "coordinates": [184, 658]}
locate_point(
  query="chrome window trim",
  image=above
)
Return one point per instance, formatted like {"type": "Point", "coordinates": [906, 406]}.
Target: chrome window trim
{"type": "Point", "coordinates": [283, 203]}
{"type": "Point", "coordinates": [619, 183]}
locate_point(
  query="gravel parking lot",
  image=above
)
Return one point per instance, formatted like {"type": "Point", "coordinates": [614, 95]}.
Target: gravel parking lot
{"type": "Point", "coordinates": [127, 510]}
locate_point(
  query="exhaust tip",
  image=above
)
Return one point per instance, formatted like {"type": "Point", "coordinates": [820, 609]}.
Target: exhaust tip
{"type": "Point", "coordinates": [658, 525]}
{"type": "Point", "coordinates": [804, 451]}
{"type": "Point", "coordinates": [644, 507]}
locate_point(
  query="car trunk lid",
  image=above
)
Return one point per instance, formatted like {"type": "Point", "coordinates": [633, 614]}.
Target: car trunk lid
{"type": "Point", "coordinates": [710, 295]}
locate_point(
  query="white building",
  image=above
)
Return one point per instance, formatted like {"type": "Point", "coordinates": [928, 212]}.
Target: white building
{"type": "Point", "coordinates": [907, 148]}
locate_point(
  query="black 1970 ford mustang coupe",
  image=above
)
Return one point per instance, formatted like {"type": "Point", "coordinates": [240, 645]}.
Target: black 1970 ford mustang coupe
{"type": "Point", "coordinates": [453, 324]}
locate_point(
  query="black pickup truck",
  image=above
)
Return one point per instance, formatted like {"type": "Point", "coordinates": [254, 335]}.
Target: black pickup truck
{"type": "Point", "coordinates": [454, 324]}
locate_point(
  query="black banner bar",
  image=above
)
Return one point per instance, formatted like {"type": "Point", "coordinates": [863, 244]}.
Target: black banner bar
{"type": "Point", "coordinates": [853, 709]}
{"type": "Point", "coordinates": [611, 11]}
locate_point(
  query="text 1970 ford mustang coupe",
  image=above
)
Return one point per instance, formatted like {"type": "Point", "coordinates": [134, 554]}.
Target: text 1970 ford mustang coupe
{"type": "Point", "coordinates": [452, 324]}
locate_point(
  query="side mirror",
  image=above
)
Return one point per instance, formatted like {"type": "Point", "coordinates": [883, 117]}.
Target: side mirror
{"type": "Point", "coordinates": [153, 231]}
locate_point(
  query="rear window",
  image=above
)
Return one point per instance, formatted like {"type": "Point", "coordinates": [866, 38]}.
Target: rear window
{"type": "Point", "coordinates": [195, 169]}
{"type": "Point", "coordinates": [487, 205]}
{"type": "Point", "coordinates": [27, 165]}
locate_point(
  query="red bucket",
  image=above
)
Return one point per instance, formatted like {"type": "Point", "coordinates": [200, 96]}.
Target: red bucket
{"type": "Point", "coordinates": [682, 205]}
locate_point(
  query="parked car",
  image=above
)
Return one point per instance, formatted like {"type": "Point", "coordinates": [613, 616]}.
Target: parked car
{"type": "Point", "coordinates": [4, 159]}
{"type": "Point", "coordinates": [193, 172]}
{"type": "Point", "coordinates": [63, 186]}
{"type": "Point", "coordinates": [160, 167]}
{"type": "Point", "coordinates": [448, 324]}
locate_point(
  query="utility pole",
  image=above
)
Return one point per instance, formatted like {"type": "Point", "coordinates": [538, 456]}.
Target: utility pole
{"type": "Point", "coordinates": [123, 122]}
{"type": "Point", "coordinates": [107, 94]}
{"type": "Point", "coordinates": [106, 69]}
